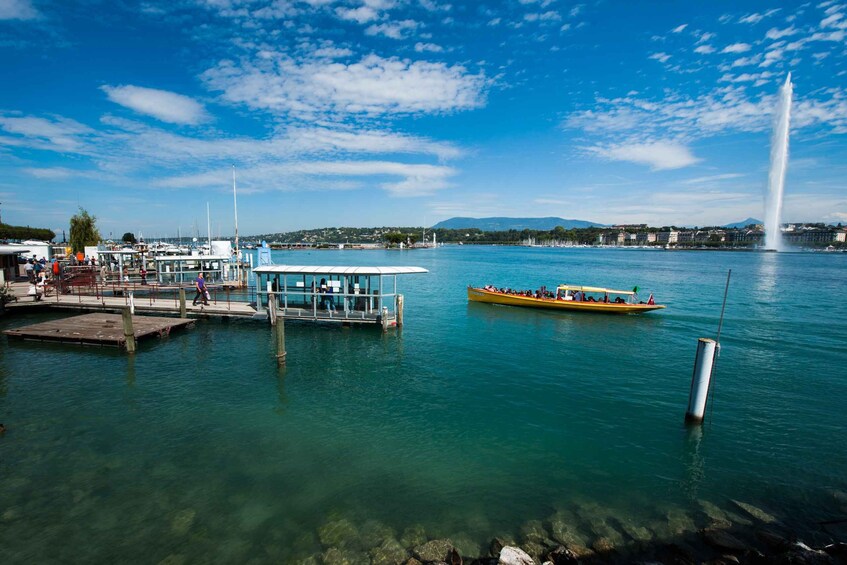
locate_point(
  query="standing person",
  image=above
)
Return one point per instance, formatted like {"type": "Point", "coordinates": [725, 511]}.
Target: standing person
{"type": "Point", "coordinates": [200, 285]}
{"type": "Point", "coordinates": [29, 269]}
{"type": "Point", "coordinates": [143, 273]}
{"type": "Point", "coordinates": [57, 275]}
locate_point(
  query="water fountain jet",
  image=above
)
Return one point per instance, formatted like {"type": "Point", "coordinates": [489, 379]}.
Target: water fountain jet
{"type": "Point", "coordinates": [778, 166]}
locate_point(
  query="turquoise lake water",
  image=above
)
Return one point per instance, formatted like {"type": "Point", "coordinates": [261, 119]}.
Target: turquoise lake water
{"type": "Point", "coordinates": [468, 423]}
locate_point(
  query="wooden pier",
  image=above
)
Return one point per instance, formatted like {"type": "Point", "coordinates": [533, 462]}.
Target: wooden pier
{"type": "Point", "coordinates": [98, 329]}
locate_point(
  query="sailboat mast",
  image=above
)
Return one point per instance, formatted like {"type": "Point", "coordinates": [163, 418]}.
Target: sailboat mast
{"type": "Point", "coordinates": [235, 207]}
{"type": "Point", "coordinates": [209, 227]}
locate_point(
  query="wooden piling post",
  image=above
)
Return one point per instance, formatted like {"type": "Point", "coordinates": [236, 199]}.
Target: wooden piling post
{"type": "Point", "coordinates": [129, 332]}
{"type": "Point", "coordinates": [384, 319]}
{"type": "Point", "coordinates": [272, 308]}
{"type": "Point", "coordinates": [399, 309]}
{"type": "Point", "coordinates": [182, 313]}
{"type": "Point", "coordinates": [280, 343]}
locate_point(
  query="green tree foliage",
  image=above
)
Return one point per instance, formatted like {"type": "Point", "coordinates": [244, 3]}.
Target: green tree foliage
{"type": "Point", "coordinates": [129, 237]}
{"type": "Point", "coordinates": [83, 231]}
{"type": "Point", "coordinates": [25, 232]}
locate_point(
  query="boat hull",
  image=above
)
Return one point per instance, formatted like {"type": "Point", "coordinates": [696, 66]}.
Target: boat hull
{"type": "Point", "coordinates": [481, 295]}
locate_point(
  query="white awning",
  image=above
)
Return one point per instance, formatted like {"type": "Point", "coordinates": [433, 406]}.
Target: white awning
{"type": "Point", "coordinates": [12, 249]}
{"type": "Point", "coordinates": [170, 258]}
{"type": "Point", "coordinates": [335, 270]}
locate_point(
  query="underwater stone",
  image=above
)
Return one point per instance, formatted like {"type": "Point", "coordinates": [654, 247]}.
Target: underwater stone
{"type": "Point", "coordinates": [755, 512]}
{"type": "Point", "coordinates": [373, 533]}
{"type": "Point", "coordinates": [723, 540]}
{"type": "Point", "coordinates": [390, 552]}
{"type": "Point", "coordinates": [182, 521]}
{"type": "Point", "coordinates": [173, 559]}
{"type": "Point", "coordinates": [338, 533]}
{"type": "Point", "coordinates": [679, 522]}
{"type": "Point", "coordinates": [336, 556]}
{"type": "Point", "coordinates": [433, 550]}
{"type": "Point", "coordinates": [465, 545]}
{"type": "Point", "coordinates": [534, 531]}
{"type": "Point", "coordinates": [413, 536]}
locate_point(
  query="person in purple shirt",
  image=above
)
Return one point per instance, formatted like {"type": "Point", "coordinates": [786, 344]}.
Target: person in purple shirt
{"type": "Point", "coordinates": [200, 285]}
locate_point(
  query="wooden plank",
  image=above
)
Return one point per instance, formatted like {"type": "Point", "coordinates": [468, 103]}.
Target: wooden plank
{"type": "Point", "coordinates": [97, 329]}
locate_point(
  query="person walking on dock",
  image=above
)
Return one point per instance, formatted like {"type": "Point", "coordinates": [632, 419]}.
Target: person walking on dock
{"type": "Point", "coordinates": [200, 285]}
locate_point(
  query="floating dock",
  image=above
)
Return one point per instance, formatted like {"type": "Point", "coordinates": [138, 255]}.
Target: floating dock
{"type": "Point", "coordinates": [98, 329]}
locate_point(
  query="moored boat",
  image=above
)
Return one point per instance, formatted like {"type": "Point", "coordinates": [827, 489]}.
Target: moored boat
{"type": "Point", "coordinates": [567, 297]}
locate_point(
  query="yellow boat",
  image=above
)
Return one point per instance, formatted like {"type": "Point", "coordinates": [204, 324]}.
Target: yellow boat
{"type": "Point", "coordinates": [570, 297]}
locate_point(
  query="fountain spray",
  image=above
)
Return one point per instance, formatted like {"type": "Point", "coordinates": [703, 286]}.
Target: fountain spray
{"type": "Point", "coordinates": [779, 164]}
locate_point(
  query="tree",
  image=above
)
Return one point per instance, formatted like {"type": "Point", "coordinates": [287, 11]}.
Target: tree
{"type": "Point", "coordinates": [129, 237]}
{"type": "Point", "coordinates": [83, 231]}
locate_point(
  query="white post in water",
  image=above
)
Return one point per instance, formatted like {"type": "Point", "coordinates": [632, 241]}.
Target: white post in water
{"type": "Point", "coordinates": [700, 380]}
{"type": "Point", "coordinates": [704, 365]}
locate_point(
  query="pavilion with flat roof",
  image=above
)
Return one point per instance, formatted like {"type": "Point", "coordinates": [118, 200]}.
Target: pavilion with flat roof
{"type": "Point", "coordinates": [332, 293]}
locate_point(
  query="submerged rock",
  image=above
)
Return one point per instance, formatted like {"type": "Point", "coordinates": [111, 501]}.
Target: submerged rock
{"type": "Point", "coordinates": [373, 533]}
{"type": "Point", "coordinates": [389, 552]}
{"type": "Point", "coordinates": [465, 545]}
{"type": "Point", "coordinates": [534, 531]}
{"type": "Point", "coordinates": [723, 540]}
{"type": "Point", "coordinates": [679, 522]}
{"type": "Point", "coordinates": [755, 512]}
{"type": "Point", "coordinates": [339, 556]}
{"type": "Point", "coordinates": [434, 550]}
{"type": "Point", "coordinates": [413, 536]}
{"type": "Point", "coordinates": [564, 529]}
{"type": "Point", "coordinates": [338, 533]}
{"type": "Point", "coordinates": [182, 521]}
{"type": "Point", "coordinates": [514, 556]}
{"type": "Point", "coordinates": [173, 559]}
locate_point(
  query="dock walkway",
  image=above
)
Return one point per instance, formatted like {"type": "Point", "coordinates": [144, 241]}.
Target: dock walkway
{"type": "Point", "coordinates": [97, 329]}
{"type": "Point", "coordinates": [143, 302]}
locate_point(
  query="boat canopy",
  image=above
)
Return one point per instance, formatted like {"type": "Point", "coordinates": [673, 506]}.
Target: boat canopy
{"type": "Point", "coordinates": [576, 288]}
{"type": "Point", "coordinates": [330, 270]}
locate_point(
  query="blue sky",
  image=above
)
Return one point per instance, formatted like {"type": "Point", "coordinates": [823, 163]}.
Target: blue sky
{"type": "Point", "coordinates": [408, 112]}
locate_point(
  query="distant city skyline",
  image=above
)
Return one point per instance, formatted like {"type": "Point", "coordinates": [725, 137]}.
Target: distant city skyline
{"type": "Point", "coordinates": [373, 113]}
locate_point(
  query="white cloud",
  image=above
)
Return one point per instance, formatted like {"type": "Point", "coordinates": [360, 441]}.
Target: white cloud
{"type": "Point", "coordinates": [371, 86]}
{"type": "Point", "coordinates": [706, 49]}
{"type": "Point", "coordinates": [413, 179]}
{"type": "Point", "coordinates": [679, 28]}
{"type": "Point", "coordinates": [659, 155]}
{"type": "Point", "coordinates": [160, 104]}
{"type": "Point", "coordinates": [661, 57]}
{"type": "Point", "coordinates": [361, 15]}
{"type": "Point", "coordinates": [59, 134]}
{"type": "Point", "coordinates": [394, 30]}
{"type": "Point", "coordinates": [756, 18]}
{"type": "Point", "coordinates": [494, 22]}
{"type": "Point", "coordinates": [705, 36]}
{"type": "Point", "coordinates": [736, 48]}
{"type": "Point", "coordinates": [17, 10]}
{"type": "Point", "coordinates": [549, 16]}
{"type": "Point", "coordinates": [775, 33]}
{"type": "Point", "coordinates": [713, 178]}
{"type": "Point", "coordinates": [431, 47]}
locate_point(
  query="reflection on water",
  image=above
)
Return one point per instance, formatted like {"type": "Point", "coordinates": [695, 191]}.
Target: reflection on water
{"type": "Point", "coordinates": [766, 277]}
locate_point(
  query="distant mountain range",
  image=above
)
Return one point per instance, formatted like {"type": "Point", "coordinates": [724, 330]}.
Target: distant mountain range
{"type": "Point", "coordinates": [505, 224]}
{"type": "Point", "coordinates": [744, 223]}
